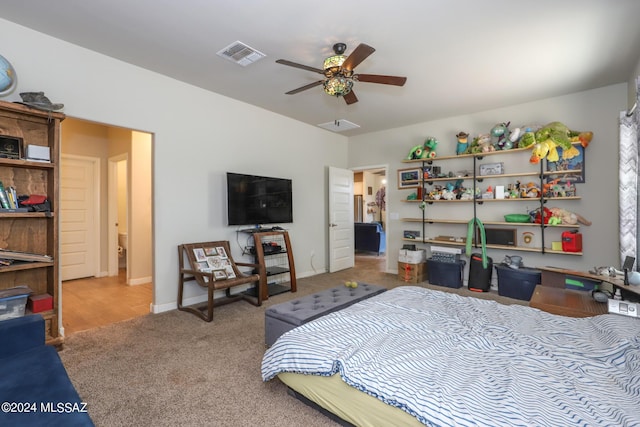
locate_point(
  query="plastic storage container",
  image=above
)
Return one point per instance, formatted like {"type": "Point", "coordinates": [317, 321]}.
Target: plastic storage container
{"type": "Point", "coordinates": [14, 306]}
{"type": "Point", "coordinates": [447, 274]}
{"type": "Point", "coordinates": [517, 283]}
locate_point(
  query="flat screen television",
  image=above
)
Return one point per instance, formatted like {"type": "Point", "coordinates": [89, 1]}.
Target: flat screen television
{"type": "Point", "coordinates": [255, 200]}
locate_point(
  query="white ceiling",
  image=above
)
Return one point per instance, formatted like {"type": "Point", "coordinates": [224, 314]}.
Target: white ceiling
{"type": "Point", "coordinates": [459, 56]}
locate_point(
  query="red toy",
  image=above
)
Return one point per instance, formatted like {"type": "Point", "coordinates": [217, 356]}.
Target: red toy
{"type": "Point", "coordinates": [571, 241]}
{"type": "Point", "coordinates": [546, 214]}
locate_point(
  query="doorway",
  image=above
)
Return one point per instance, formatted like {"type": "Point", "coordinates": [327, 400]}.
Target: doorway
{"type": "Point", "coordinates": [369, 190]}
{"type": "Point", "coordinates": [88, 294]}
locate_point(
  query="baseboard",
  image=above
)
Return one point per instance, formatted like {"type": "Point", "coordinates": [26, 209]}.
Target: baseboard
{"type": "Point", "coordinates": [197, 299]}
{"type": "Point", "coordinates": [140, 280]}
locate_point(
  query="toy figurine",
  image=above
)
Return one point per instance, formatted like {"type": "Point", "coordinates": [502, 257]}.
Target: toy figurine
{"type": "Point", "coordinates": [430, 145]}
{"type": "Point", "coordinates": [424, 151]}
{"type": "Point", "coordinates": [500, 136]}
{"type": "Point", "coordinates": [463, 143]}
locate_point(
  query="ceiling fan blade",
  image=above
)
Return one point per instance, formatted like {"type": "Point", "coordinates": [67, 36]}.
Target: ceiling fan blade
{"type": "Point", "coordinates": [305, 87]}
{"type": "Point", "coordinates": [357, 56]}
{"type": "Point", "coordinates": [296, 65]}
{"type": "Point", "coordinates": [350, 98]}
{"type": "Point", "coordinates": [385, 80]}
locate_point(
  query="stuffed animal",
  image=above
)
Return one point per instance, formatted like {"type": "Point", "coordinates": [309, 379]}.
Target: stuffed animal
{"type": "Point", "coordinates": [430, 145]}
{"type": "Point", "coordinates": [555, 134]}
{"type": "Point", "coordinates": [463, 143]}
{"type": "Point", "coordinates": [538, 218]}
{"type": "Point", "coordinates": [570, 218]}
{"type": "Point", "coordinates": [500, 136]}
{"type": "Point", "coordinates": [481, 144]}
{"type": "Point", "coordinates": [424, 151]}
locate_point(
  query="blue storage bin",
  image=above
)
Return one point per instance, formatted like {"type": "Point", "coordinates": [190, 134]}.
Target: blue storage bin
{"type": "Point", "coordinates": [517, 283]}
{"type": "Point", "coordinates": [449, 274]}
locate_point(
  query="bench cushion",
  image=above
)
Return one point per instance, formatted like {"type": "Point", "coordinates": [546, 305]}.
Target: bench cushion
{"type": "Point", "coordinates": [283, 317]}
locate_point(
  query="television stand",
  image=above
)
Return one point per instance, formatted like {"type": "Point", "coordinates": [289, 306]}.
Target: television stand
{"type": "Point", "coordinates": [277, 263]}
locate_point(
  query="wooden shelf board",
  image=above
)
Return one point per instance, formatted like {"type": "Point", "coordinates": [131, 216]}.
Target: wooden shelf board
{"type": "Point", "coordinates": [18, 266]}
{"type": "Point", "coordinates": [462, 156]}
{"type": "Point", "coordinates": [479, 201]}
{"type": "Point", "coordinates": [465, 222]}
{"type": "Point", "coordinates": [563, 172]}
{"type": "Point", "coordinates": [501, 247]}
{"type": "Point", "coordinates": [20, 163]}
{"type": "Point", "coordinates": [506, 175]}
{"type": "Point", "coordinates": [27, 214]}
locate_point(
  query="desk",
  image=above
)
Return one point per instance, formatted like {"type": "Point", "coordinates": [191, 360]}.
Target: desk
{"type": "Point", "coordinates": [566, 302]}
{"type": "Point", "coordinates": [555, 277]}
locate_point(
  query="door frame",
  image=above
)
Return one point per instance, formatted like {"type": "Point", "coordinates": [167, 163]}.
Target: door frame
{"type": "Point", "coordinates": [387, 216]}
{"type": "Point", "coordinates": [112, 213]}
{"type": "Point", "coordinates": [95, 163]}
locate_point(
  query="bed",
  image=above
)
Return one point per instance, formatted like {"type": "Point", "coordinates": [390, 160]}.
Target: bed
{"type": "Point", "coordinates": [413, 356]}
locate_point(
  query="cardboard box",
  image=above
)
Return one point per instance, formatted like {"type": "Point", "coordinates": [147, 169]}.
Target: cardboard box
{"type": "Point", "coordinates": [40, 303]}
{"type": "Point", "coordinates": [412, 273]}
{"type": "Point", "coordinates": [412, 257]}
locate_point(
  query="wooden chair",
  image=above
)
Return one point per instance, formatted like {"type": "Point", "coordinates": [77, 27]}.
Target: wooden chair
{"type": "Point", "coordinates": [211, 265]}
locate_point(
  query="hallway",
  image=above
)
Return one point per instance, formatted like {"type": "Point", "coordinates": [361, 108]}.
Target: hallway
{"type": "Point", "coordinates": [94, 302]}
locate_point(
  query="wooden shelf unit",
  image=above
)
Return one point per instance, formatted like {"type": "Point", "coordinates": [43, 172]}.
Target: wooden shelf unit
{"type": "Point", "coordinates": [540, 175]}
{"type": "Point", "coordinates": [33, 232]}
{"type": "Point", "coordinates": [282, 263]}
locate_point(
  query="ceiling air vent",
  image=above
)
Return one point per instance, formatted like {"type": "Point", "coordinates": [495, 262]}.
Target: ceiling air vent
{"type": "Point", "coordinates": [241, 54]}
{"type": "Point", "coordinates": [339, 125]}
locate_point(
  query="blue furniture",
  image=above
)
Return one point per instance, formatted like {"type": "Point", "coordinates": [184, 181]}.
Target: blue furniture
{"type": "Point", "coordinates": [33, 379]}
{"type": "Point", "coordinates": [369, 237]}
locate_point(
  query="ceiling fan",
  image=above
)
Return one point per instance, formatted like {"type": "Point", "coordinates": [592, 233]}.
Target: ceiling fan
{"type": "Point", "coordinates": [339, 74]}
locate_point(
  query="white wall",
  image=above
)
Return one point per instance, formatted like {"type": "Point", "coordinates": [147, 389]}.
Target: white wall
{"type": "Point", "coordinates": [140, 232]}
{"type": "Point", "coordinates": [198, 136]}
{"type": "Point", "coordinates": [595, 110]}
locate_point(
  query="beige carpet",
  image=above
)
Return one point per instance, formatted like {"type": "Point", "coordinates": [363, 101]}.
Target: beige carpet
{"type": "Point", "coordinates": [174, 369]}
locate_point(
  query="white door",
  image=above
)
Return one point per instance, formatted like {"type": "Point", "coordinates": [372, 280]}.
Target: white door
{"type": "Point", "coordinates": [341, 239]}
{"type": "Point", "coordinates": [78, 217]}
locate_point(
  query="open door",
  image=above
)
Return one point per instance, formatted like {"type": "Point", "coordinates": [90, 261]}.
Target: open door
{"type": "Point", "coordinates": [341, 238]}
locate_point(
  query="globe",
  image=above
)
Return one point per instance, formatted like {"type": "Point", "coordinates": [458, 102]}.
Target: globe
{"type": "Point", "coordinates": [7, 76]}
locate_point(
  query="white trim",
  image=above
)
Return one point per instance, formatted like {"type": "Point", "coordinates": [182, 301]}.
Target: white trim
{"type": "Point", "coordinates": [140, 280]}
{"type": "Point", "coordinates": [112, 213]}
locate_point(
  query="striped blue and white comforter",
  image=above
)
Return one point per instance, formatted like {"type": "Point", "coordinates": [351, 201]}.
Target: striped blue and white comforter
{"type": "Point", "coordinates": [451, 360]}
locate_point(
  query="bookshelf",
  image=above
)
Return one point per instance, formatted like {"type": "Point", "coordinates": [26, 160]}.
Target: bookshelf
{"type": "Point", "coordinates": [33, 236]}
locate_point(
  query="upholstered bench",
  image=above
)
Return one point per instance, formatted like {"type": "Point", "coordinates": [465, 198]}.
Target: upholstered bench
{"type": "Point", "coordinates": [283, 317]}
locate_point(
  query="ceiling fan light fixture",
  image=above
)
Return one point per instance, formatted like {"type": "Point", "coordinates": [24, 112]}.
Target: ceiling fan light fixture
{"type": "Point", "coordinates": [338, 85]}
{"type": "Point", "coordinates": [333, 63]}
